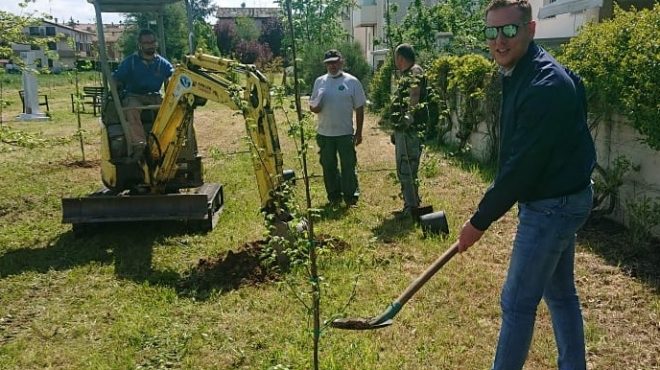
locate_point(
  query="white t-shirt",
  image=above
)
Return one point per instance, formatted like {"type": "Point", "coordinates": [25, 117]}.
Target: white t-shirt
{"type": "Point", "coordinates": [337, 97]}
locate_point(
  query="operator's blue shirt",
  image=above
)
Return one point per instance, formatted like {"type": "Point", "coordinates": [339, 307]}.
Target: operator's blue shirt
{"type": "Point", "coordinates": [143, 77]}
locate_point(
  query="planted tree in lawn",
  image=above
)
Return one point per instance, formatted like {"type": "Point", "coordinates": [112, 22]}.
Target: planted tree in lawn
{"type": "Point", "coordinates": [316, 27]}
{"type": "Point", "coordinates": [174, 21]}
{"type": "Point", "coordinates": [300, 245]}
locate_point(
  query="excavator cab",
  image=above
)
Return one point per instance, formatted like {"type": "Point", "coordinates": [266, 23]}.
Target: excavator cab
{"type": "Point", "coordinates": [166, 181]}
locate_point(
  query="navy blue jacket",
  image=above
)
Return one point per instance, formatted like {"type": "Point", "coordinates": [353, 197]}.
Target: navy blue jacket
{"type": "Point", "coordinates": [546, 149]}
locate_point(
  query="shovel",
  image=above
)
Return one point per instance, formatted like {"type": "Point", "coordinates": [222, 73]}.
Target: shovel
{"type": "Point", "coordinates": [385, 318]}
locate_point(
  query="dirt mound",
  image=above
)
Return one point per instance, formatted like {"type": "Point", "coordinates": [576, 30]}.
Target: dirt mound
{"type": "Point", "coordinates": [243, 267]}
{"type": "Point", "coordinates": [232, 270]}
{"type": "Point", "coordinates": [81, 164]}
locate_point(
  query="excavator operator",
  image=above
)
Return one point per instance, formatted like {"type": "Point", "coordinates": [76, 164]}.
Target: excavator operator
{"type": "Point", "coordinates": [139, 78]}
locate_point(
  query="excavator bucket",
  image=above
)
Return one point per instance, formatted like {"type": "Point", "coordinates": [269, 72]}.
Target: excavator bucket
{"type": "Point", "coordinates": [199, 206]}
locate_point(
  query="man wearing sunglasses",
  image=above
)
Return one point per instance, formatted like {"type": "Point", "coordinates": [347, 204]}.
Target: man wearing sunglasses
{"type": "Point", "coordinates": [545, 162]}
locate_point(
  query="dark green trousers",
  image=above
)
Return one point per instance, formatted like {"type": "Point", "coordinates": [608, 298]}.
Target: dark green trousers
{"type": "Point", "coordinates": [408, 151]}
{"type": "Point", "coordinates": [338, 184]}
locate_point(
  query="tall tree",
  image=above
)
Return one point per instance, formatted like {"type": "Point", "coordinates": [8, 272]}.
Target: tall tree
{"type": "Point", "coordinates": [465, 20]}
{"type": "Point", "coordinates": [247, 29]}
{"type": "Point", "coordinates": [12, 30]}
{"type": "Point", "coordinates": [225, 32]}
{"type": "Point", "coordinates": [202, 9]}
{"type": "Point", "coordinates": [175, 25]}
{"type": "Point", "coordinates": [206, 38]}
{"type": "Point", "coordinates": [204, 34]}
{"type": "Point", "coordinates": [272, 33]}
{"type": "Point", "coordinates": [316, 26]}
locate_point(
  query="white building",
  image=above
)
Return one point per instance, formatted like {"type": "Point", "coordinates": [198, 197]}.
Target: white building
{"type": "Point", "coordinates": [112, 33]}
{"type": "Point", "coordinates": [366, 24]}
{"type": "Point", "coordinates": [557, 20]}
{"type": "Point", "coordinates": [68, 44]}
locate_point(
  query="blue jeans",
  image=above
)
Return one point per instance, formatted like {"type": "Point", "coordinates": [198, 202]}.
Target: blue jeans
{"type": "Point", "coordinates": [542, 267]}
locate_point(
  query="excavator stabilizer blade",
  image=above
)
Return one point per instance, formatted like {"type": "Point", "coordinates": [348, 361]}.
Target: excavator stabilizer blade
{"type": "Point", "coordinates": [199, 204]}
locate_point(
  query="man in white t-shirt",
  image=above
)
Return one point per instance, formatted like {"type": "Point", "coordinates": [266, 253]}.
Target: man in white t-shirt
{"type": "Point", "coordinates": [335, 96]}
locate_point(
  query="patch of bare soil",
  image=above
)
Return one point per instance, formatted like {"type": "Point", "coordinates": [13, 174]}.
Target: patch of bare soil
{"type": "Point", "coordinates": [246, 266]}
{"type": "Point", "coordinates": [216, 125]}
{"type": "Point", "coordinates": [81, 164]}
{"type": "Point", "coordinates": [233, 269]}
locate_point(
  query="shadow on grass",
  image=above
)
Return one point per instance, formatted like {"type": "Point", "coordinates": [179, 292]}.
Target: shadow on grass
{"type": "Point", "coordinates": [611, 241]}
{"type": "Point", "coordinates": [392, 227]}
{"type": "Point", "coordinates": [333, 211]}
{"type": "Point", "coordinates": [606, 238]}
{"type": "Point", "coordinates": [128, 245]}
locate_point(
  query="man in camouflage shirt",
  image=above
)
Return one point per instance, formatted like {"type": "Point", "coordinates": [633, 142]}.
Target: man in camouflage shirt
{"type": "Point", "coordinates": [409, 115]}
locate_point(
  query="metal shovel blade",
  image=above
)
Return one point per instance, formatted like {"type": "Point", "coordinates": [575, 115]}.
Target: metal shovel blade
{"type": "Point", "coordinates": [359, 323]}
{"type": "Point", "coordinates": [385, 318]}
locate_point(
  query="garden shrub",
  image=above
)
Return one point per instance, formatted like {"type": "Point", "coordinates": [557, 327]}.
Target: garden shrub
{"type": "Point", "coordinates": [380, 86]}
{"type": "Point", "coordinates": [355, 63]}
{"type": "Point", "coordinates": [619, 60]}
{"type": "Point", "coordinates": [253, 52]}
{"type": "Point", "coordinates": [311, 63]}
{"type": "Point", "coordinates": [462, 90]}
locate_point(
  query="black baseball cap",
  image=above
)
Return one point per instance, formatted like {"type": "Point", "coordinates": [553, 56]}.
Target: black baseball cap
{"type": "Point", "coordinates": [331, 55]}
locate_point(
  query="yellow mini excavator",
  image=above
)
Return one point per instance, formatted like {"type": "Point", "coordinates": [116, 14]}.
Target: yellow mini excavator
{"type": "Point", "coordinates": [166, 183]}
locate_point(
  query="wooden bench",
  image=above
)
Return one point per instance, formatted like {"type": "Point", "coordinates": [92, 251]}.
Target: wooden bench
{"type": "Point", "coordinates": [91, 95]}
{"type": "Point", "coordinates": [21, 93]}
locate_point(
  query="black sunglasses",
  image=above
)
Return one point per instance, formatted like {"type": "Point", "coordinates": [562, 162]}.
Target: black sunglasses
{"type": "Point", "coordinates": [508, 30]}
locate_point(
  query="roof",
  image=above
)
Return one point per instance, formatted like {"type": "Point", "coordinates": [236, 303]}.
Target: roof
{"type": "Point", "coordinates": [66, 26]}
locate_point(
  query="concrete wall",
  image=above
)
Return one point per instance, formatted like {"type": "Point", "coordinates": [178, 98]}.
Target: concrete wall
{"type": "Point", "coordinates": [613, 138]}
{"type": "Point", "coordinates": [616, 138]}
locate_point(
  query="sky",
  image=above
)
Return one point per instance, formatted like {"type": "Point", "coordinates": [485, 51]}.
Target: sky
{"type": "Point", "coordinates": [83, 11]}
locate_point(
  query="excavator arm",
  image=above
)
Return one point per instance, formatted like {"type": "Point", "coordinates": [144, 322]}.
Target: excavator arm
{"type": "Point", "coordinates": [149, 189]}
{"type": "Point", "coordinates": [204, 77]}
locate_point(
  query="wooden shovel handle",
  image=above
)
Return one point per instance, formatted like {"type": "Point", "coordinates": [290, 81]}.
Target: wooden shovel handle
{"type": "Point", "coordinates": [428, 274]}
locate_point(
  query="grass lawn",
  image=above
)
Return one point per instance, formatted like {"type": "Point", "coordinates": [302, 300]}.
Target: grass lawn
{"type": "Point", "coordinates": [144, 297]}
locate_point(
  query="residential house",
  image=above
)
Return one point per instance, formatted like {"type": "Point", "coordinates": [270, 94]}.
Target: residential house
{"type": "Point", "coordinates": [112, 33]}
{"type": "Point", "coordinates": [559, 20]}
{"type": "Point", "coordinates": [366, 25]}
{"type": "Point", "coordinates": [68, 43]}
{"type": "Point", "coordinates": [259, 15]}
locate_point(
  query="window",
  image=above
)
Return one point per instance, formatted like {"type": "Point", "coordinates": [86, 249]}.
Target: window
{"type": "Point", "coordinates": [34, 31]}
{"type": "Point", "coordinates": [52, 45]}
{"type": "Point", "coordinates": [50, 31]}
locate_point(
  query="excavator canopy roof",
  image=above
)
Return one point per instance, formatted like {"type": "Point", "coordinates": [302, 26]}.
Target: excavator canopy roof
{"type": "Point", "coordinates": [131, 6]}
